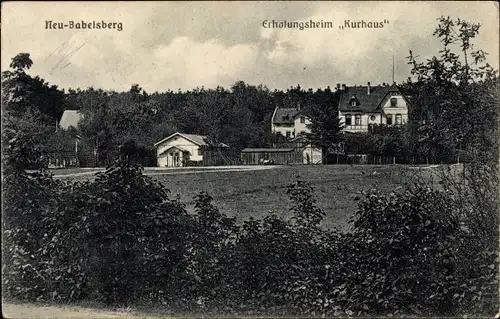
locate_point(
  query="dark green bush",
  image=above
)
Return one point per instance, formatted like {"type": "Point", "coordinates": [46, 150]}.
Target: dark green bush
{"type": "Point", "coordinates": [401, 255]}
{"type": "Point", "coordinates": [115, 239]}
{"type": "Point", "coordinates": [121, 239]}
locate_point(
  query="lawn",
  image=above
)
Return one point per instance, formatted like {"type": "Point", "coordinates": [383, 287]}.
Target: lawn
{"type": "Point", "coordinates": [244, 193]}
{"type": "Point", "coordinates": [254, 193]}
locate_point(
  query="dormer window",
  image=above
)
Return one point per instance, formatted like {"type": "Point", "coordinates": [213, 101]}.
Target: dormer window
{"type": "Point", "coordinates": [353, 103]}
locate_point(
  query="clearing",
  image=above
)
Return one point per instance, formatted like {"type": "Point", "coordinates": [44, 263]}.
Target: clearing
{"type": "Point", "coordinates": [245, 191]}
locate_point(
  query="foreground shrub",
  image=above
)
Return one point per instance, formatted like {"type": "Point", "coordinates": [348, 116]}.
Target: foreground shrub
{"type": "Point", "coordinates": [29, 200]}
{"type": "Point", "coordinates": [121, 239]}
{"type": "Point", "coordinates": [401, 255]}
{"type": "Point", "coordinates": [136, 234]}
{"type": "Point", "coordinates": [113, 239]}
{"type": "Point", "coordinates": [475, 189]}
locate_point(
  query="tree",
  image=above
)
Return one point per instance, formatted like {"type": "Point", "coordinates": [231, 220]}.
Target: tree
{"type": "Point", "coordinates": [457, 99]}
{"type": "Point", "coordinates": [450, 97]}
{"type": "Point", "coordinates": [325, 128]}
{"type": "Point", "coordinates": [30, 111]}
{"type": "Point", "coordinates": [21, 62]}
{"type": "Point", "coordinates": [22, 93]}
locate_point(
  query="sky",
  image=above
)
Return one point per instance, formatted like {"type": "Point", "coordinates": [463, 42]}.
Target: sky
{"type": "Point", "coordinates": [184, 45]}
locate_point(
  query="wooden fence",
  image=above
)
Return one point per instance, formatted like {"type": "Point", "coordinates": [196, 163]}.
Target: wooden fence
{"type": "Point", "coordinates": [278, 156]}
{"type": "Point", "coordinates": [368, 159]}
{"type": "Point", "coordinates": [220, 157]}
{"type": "Point", "coordinates": [70, 159]}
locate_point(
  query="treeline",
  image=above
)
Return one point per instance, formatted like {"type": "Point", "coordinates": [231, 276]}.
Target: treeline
{"type": "Point", "coordinates": [447, 118]}
{"type": "Point", "coordinates": [239, 116]}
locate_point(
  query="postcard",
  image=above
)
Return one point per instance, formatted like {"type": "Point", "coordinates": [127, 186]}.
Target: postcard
{"type": "Point", "coordinates": [250, 159]}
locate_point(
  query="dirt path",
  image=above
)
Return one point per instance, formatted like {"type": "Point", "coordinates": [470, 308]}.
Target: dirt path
{"type": "Point", "coordinates": [180, 170]}
{"type": "Point", "coordinates": [33, 311]}
{"type": "Point", "coordinates": [18, 311]}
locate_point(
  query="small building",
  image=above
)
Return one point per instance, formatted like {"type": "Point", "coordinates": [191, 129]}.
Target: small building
{"type": "Point", "coordinates": [310, 154]}
{"type": "Point", "coordinates": [278, 156]}
{"type": "Point", "coordinates": [180, 149]}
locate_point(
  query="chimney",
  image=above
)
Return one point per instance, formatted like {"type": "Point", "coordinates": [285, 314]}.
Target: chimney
{"type": "Point", "coordinates": [368, 89]}
{"type": "Point", "coordinates": [344, 88]}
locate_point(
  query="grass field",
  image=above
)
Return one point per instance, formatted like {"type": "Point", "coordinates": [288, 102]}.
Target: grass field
{"type": "Point", "coordinates": [243, 192]}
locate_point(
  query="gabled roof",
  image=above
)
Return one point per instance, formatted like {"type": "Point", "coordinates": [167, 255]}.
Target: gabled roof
{"type": "Point", "coordinates": [199, 140]}
{"type": "Point", "coordinates": [173, 146]}
{"type": "Point", "coordinates": [285, 115]}
{"type": "Point", "coordinates": [367, 102]}
{"type": "Point", "coordinates": [70, 118]}
{"type": "Point", "coordinates": [196, 139]}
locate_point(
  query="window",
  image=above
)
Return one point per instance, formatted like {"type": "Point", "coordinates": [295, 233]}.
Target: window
{"type": "Point", "coordinates": [288, 133]}
{"type": "Point", "coordinates": [389, 119]}
{"type": "Point", "coordinates": [357, 119]}
{"type": "Point", "coordinates": [348, 119]}
{"type": "Point", "coordinates": [372, 118]}
{"type": "Point", "coordinates": [302, 119]}
{"type": "Point", "coordinates": [353, 103]}
{"type": "Point", "coordinates": [394, 102]}
{"type": "Point", "coordinates": [399, 119]}
{"type": "Point", "coordinates": [199, 152]}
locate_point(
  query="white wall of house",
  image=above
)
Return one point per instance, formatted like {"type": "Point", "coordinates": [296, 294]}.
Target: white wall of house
{"type": "Point", "coordinates": [292, 129]}
{"type": "Point", "coordinates": [401, 108]}
{"type": "Point", "coordinates": [300, 124]}
{"type": "Point", "coordinates": [192, 148]}
{"type": "Point", "coordinates": [283, 129]}
{"type": "Point", "coordinates": [362, 124]}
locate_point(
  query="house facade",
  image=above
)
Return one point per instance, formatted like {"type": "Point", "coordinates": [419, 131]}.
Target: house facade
{"type": "Point", "coordinates": [363, 106]}
{"type": "Point", "coordinates": [179, 149]}
{"type": "Point", "coordinates": [292, 123]}
{"type": "Point", "coordinates": [289, 122]}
